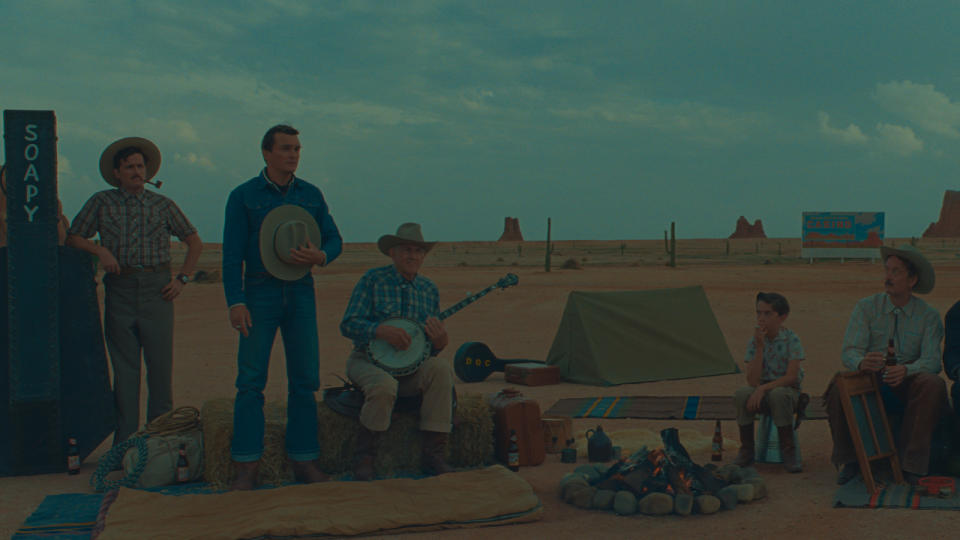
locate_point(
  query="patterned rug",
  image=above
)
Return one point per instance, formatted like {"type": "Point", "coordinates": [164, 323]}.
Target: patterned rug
{"type": "Point", "coordinates": [661, 407]}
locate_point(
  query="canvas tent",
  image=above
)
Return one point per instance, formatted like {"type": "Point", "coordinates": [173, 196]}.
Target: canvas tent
{"type": "Point", "coordinates": [620, 337]}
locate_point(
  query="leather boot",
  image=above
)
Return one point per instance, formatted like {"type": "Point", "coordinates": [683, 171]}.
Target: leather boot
{"type": "Point", "coordinates": [434, 452]}
{"type": "Point", "coordinates": [787, 449]}
{"type": "Point", "coordinates": [367, 444]}
{"type": "Point", "coordinates": [245, 475]}
{"type": "Point", "coordinates": [747, 454]}
{"type": "Point", "coordinates": [308, 472]}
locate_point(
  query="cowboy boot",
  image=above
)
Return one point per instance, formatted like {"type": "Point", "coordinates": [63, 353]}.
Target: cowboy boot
{"type": "Point", "coordinates": [434, 451]}
{"type": "Point", "coordinates": [246, 475]}
{"type": "Point", "coordinates": [367, 444]}
{"type": "Point", "coordinates": [746, 454]}
{"type": "Point", "coordinates": [787, 449]}
{"type": "Point", "coordinates": [308, 472]}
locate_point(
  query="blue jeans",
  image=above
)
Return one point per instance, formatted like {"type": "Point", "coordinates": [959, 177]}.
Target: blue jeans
{"type": "Point", "coordinates": [290, 307]}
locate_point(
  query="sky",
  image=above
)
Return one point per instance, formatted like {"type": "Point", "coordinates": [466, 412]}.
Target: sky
{"type": "Point", "coordinates": [611, 118]}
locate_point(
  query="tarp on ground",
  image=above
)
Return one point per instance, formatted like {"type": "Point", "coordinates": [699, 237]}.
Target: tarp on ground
{"type": "Point", "coordinates": [620, 337]}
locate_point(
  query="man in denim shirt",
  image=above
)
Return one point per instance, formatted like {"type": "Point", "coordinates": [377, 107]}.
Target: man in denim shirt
{"type": "Point", "coordinates": [913, 383]}
{"type": "Point", "coordinates": [260, 303]}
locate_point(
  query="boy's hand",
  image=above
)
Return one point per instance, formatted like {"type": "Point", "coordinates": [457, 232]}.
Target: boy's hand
{"type": "Point", "coordinates": [756, 399]}
{"type": "Point", "coordinates": [758, 334]}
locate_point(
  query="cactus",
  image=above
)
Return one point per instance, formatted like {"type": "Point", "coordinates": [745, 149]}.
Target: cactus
{"type": "Point", "coordinates": [623, 246]}
{"type": "Point", "coordinates": [546, 263]}
{"type": "Point", "coordinates": [671, 247]}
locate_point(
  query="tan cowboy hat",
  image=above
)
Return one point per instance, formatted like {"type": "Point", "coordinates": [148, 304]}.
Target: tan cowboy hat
{"type": "Point", "coordinates": [926, 277]}
{"type": "Point", "coordinates": [408, 233]}
{"type": "Point", "coordinates": [286, 227]}
{"type": "Point", "coordinates": [150, 151]}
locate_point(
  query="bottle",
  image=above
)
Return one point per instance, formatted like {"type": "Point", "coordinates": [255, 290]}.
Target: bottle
{"type": "Point", "coordinates": [183, 468]}
{"type": "Point", "coordinates": [73, 456]}
{"type": "Point", "coordinates": [891, 353]}
{"type": "Point", "coordinates": [513, 452]}
{"type": "Point", "coordinates": [717, 446]}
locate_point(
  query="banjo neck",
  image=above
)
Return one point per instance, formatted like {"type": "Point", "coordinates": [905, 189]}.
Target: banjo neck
{"type": "Point", "coordinates": [507, 281]}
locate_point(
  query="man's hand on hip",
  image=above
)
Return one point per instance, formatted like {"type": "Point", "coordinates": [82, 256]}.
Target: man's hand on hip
{"type": "Point", "coordinates": [108, 261]}
{"type": "Point", "coordinates": [172, 290]}
{"type": "Point", "coordinates": [240, 319]}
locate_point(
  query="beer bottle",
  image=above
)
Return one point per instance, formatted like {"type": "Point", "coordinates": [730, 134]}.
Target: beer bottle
{"type": "Point", "coordinates": [183, 468]}
{"type": "Point", "coordinates": [513, 452]}
{"type": "Point", "coordinates": [717, 446]}
{"type": "Point", "coordinates": [73, 456]}
{"type": "Point", "coordinates": [891, 353]}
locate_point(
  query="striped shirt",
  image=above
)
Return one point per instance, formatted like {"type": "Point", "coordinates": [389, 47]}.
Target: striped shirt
{"type": "Point", "coordinates": [915, 328]}
{"type": "Point", "coordinates": [383, 293]}
{"type": "Point", "coordinates": [135, 228]}
{"type": "Point", "coordinates": [777, 354]}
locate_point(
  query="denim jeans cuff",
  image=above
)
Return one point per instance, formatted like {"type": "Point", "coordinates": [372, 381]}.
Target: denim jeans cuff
{"type": "Point", "coordinates": [303, 456]}
{"type": "Point", "coordinates": [244, 458]}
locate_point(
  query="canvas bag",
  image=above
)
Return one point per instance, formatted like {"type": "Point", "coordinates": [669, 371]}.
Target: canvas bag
{"type": "Point", "coordinates": [162, 455]}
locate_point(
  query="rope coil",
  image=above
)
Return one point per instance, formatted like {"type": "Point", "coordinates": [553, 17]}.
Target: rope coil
{"type": "Point", "coordinates": [180, 420]}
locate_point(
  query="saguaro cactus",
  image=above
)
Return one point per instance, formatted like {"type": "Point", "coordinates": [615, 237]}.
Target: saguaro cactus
{"type": "Point", "coordinates": [671, 246]}
{"type": "Point", "coordinates": [546, 262]}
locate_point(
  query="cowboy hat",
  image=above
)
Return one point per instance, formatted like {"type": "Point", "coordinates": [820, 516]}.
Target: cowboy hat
{"type": "Point", "coordinates": [286, 227]}
{"type": "Point", "coordinates": [150, 151]}
{"type": "Point", "coordinates": [407, 233]}
{"type": "Point", "coordinates": [926, 277]}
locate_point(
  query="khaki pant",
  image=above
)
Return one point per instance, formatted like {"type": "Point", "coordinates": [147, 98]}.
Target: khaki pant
{"type": "Point", "coordinates": [137, 318]}
{"type": "Point", "coordinates": [781, 402]}
{"type": "Point", "coordinates": [434, 380]}
{"type": "Point", "coordinates": [925, 396]}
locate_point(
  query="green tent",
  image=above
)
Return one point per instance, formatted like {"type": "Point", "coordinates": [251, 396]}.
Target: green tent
{"type": "Point", "coordinates": [620, 337]}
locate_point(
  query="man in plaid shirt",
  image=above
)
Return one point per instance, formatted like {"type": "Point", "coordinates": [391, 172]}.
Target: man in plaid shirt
{"type": "Point", "coordinates": [134, 250]}
{"type": "Point", "coordinates": [397, 290]}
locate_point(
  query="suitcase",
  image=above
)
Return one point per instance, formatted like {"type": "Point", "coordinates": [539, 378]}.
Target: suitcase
{"type": "Point", "coordinates": [531, 374]}
{"type": "Point", "coordinates": [512, 411]}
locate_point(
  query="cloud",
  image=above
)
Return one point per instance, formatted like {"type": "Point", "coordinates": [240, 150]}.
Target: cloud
{"type": "Point", "coordinates": [849, 135]}
{"type": "Point", "coordinates": [898, 139]}
{"type": "Point", "coordinates": [920, 104]}
{"type": "Point", "coordinates": [696, 121]}
{"type": "Point", "coordinates": [193, 159]}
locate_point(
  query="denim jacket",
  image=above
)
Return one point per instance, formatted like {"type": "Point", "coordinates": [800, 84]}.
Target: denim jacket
{"type": "Point", "coordinates": [247, 205]}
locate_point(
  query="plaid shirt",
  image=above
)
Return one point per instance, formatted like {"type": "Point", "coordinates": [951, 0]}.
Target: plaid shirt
{"type": "Point", "coordinates": [916, 330]}
{"type": "Point", "coordinates": [381, 294]}
{"type": "Point", "coordinates": [135, 228]}
{"type": "Point", "coordinates": [777, 354]}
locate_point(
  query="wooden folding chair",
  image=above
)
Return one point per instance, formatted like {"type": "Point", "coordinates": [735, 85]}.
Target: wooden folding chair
{"type": "Point", "coordinates": [868, 425]}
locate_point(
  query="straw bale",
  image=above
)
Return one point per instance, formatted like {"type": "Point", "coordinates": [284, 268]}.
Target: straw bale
{"type": "Point", "coordinates": [471, 441]}
{"type": "Point", "coordinates": [217, 415]}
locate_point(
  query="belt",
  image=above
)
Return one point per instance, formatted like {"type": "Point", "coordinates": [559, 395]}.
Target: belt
{"type": "Point", "coordinates": [127, 270]}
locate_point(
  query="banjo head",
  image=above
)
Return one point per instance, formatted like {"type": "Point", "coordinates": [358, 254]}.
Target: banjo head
{"type": "Point", "coordinates": [400, 363]}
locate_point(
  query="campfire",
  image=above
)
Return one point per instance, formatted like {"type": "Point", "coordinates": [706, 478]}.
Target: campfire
{"type": "Point", "coordinates": [661, 481]}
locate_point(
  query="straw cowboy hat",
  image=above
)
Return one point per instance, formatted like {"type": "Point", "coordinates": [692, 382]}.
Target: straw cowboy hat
{"type": "Point", "coordinates": [286, 227]}
{"type": "Point", "coordinates": [408, 233]}
{"type": "Point", "coordinates": [150, 152]}
{"type": "Point", "coordinates": [926, 277]}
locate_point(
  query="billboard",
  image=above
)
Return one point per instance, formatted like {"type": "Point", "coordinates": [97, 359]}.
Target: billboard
{"type": "Point", "coordinates": [842, 234]}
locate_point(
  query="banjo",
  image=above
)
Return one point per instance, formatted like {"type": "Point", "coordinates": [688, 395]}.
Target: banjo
{"type": "Point", "coordinates": [400, 363]}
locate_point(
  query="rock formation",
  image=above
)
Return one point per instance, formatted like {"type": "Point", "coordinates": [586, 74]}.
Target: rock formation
{"type": "Point", "coordinates": [949, 223]}
{"type": "Point", "coordinates": [746, 230]}
{"type": "Point", "coordinates": [511, 230]}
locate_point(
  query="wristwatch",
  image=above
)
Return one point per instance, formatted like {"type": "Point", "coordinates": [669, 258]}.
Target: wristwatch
{"type": "Point", "coordinates": [183, 278]}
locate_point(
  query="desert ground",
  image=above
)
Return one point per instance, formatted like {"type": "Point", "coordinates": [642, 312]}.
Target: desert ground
{"type": "Point", "coordinates": [521, 322]}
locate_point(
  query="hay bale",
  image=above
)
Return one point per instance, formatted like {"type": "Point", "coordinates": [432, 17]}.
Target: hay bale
{"type": "Point", "coordinates": [471, 441]}
{"type": "Point", "coordinates": [217, 417]}
{"type": "Point", "coordinates": [470, 445]}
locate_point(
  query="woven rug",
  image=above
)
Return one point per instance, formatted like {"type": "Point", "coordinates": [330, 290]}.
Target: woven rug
{"type": "Point", "coordinates": [661, 407]}
{"type": "Point", "coordinates": [854, 494]}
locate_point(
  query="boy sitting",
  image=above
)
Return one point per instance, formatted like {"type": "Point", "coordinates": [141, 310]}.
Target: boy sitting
{"type": "Point", "coordinates": [773, 374]}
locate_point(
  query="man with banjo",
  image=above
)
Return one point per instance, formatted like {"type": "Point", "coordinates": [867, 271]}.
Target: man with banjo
{"type": "Point", "coordinates": [393, 312]}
